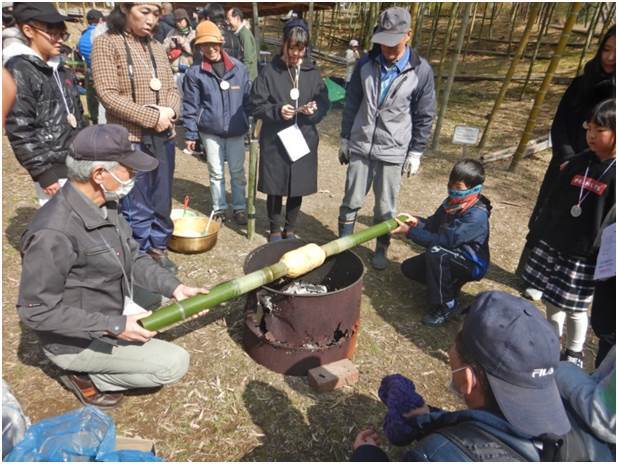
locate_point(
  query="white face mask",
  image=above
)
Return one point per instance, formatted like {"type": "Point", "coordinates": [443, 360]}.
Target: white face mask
{"type": "Point", "coordinates": [453, 388]}
{"type": "Point", "coordinates": [125, 186]}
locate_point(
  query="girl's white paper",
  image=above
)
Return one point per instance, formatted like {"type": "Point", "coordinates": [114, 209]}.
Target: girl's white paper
{"type": "Point", "coordinates": [294, 142]}
{"type": "Point", "coordinates": [606, 260]}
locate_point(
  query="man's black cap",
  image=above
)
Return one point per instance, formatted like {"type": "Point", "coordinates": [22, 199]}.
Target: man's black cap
{"type": "Point", "coordinates": [110, 142]}
{"type": "Point", "coordinates": [43, 12]}
{"type": "Point", "coordinates": [93, 14]}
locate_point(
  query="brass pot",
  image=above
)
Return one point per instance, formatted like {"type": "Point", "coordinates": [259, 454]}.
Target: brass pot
{"type": "Point", "coordinates": [190, 235]}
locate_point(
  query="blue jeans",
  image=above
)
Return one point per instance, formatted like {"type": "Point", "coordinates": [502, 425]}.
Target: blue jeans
{"type": "Point", "coordinates": [218, 150]}
{"type": "Point", "coordinates": [148, 206]}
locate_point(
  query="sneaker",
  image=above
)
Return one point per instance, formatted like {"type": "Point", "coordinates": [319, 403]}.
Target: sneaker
{"type": "Point", "coordinates": [574, 358]}
{"type": "Point", "coordinates": [87, 392]}
{"type": "Point", "coordinates": [379, 261]}
{"type": "Point", "coordinates": [289, 235]}
{"type": "Point", "coordinates": [240, 217]}
{"type": "Point", "coordinates": [161, 258]}
{"type": "Point", "coordinates": [533, 294]}
{"type": "Point", "coordinates": [438, 316]}
{"type": "Point", "coordinates": [219, 215]}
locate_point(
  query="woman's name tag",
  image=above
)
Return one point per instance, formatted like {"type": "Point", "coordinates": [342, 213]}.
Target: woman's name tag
{"type": "Point", "coordinates": [294, 142]}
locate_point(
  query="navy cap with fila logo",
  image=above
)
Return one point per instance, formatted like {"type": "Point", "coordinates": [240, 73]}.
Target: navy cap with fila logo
{"type": "Point", "coordinates": [519, 351]}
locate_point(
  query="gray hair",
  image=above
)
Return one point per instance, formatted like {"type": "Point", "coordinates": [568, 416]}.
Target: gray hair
{"type": "Point", "coordinates": [80, 170]}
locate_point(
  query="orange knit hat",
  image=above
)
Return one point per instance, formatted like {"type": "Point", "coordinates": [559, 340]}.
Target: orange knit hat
{"type": "Point", "coordinates": [208, 32]}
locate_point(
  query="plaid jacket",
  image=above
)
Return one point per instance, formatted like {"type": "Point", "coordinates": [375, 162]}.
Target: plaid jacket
{"type": "Point", "coordinates": [111, 80]}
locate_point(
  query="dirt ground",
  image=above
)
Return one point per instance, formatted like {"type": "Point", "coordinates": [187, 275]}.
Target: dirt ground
{"type": "Point", "coordinates": [229, 408]}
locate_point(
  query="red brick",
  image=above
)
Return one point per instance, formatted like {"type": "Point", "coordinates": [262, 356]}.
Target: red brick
{"type": "Point", "coordinates": [334, 375]}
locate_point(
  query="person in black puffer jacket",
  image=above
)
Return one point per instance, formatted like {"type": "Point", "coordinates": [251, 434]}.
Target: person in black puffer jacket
{"type": "Point", "coordinates": [47, 113]}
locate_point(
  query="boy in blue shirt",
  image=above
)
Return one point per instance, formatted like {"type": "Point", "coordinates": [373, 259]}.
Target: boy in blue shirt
{"type": "Point", "coordinates": [456, 238]}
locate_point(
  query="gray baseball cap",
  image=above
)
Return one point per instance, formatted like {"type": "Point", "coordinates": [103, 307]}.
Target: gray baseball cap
{"type": "Point", "coordinates": [393, 25]}
{"type": "Point", "coordinates": [110, 142]}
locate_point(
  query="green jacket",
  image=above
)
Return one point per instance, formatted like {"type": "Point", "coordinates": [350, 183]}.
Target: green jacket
{"type": "Point", "coordinates": [250, 57]}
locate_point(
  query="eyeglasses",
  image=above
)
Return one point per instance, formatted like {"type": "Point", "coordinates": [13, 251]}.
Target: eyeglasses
{"type": "Point", "coordinates": [64, 36]}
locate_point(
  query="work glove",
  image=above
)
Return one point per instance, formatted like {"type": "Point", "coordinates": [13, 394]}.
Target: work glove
{"type": "Point", "coordinates": [411, 164]}
{"type": "Point", "coordinates": [344, 153]}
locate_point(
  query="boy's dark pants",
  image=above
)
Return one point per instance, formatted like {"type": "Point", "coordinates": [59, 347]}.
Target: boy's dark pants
{"type": "Point", "coordinates": [443, 271]}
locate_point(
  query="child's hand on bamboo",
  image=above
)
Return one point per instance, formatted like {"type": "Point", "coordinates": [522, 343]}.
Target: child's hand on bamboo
{"type": "Point", "coordinates": [404, 227]}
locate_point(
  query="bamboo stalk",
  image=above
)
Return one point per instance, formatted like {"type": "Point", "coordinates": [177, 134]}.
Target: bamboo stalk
{"type": "Point", "coordinates": [593, 24]}
{"type": "Point", "coordinates": [608, 22]}
{"type": "Point", "coordinates": [491, 20]}
{"type": "Point", "coordinates": [483, 21]}
{"type": "Point", "coordinates": [416, 40]}
{"type": "Point", "coordinates": [542, 32]}
{"type": "Point", "coordinates": [512, 28]}
{"type": "Point", "coordinates": [540, 96]}
{"type": "Point", "coordinates": [310, 20]}
{"type": "Point", "coordinates": [178, 311]}
{"type": "Point", "coordinates": [509, 75]}
{"type": "Point", "coordinates": [434, 27]}
{"type": "Point", "coordinates": [451, 76]}
{"type": "Point", "coordinates": [447, 39]}
{"type": "Point", "coordinates": [256, 27]}
{"type": "Point", "coordinates": [471, 31]}
{"type": "Point", "coordinates": [413, 14]}
{"type": "Point", "coordinates": [251, 181]}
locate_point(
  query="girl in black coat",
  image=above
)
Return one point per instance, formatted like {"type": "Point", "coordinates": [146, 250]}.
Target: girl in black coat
{"type": "Point", "coordinates": [288, 91]}
{"type": "Point", "coordinates": [568, 137]}
{"type": "Point", "coordinates": [562, 261]}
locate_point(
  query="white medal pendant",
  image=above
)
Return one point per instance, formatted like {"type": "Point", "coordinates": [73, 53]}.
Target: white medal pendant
{"type": "Point", "coordinates": [294, 94]}
{"type": "Point", "coordinates": [155, 84]}
{"type": "Point", "coordinates": [576, 211]}
{"type": "Point", "coordinates": [224, 85]}
{"type": "Point", "coordinates": [72, 120]}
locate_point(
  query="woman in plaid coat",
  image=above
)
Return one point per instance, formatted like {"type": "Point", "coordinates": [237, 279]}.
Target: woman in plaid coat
{"type": "Point", "coordinates": [135, 84]}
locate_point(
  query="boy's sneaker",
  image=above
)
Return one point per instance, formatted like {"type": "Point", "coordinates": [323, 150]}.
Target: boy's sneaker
{"type": "Point", "coordinates": [438, 316]}
{"type": "Point", "coordinates": [575, 358]}
{"type": "Point", "coordinates": [533, 294]}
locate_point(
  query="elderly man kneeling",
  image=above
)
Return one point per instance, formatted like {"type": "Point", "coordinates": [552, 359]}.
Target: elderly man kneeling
{"type": "Point", "coordinates": [79, 266]}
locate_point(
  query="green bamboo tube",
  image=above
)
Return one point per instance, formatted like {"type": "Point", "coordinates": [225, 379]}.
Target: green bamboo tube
{"type": "Point", "coordinates": [251, 182]}
{"type": "Point", "coordinates": [540, 96]}
{"type": "Point", "coordinates": [178, 311]}
{"type": "Point", "coordinates": [434, 27]}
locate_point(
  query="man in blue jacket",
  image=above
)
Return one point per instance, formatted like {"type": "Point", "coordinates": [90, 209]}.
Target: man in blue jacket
{"type": "Point", "coordinates": [84, 46]}
{"type": "Point", "coordinates": [390, 105]}
{"type": "Point", "coordinates": [216, 95]}
{"type": "Point", "coordinates": [503, 366]}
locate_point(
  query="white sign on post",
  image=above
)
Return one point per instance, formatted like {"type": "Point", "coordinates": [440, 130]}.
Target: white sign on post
{"type": "Point", "coordinates": [466, 135]}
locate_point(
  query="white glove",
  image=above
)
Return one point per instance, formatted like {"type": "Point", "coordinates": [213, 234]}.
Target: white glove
{"type": "Point", "coordinates": [411, 164]}
{"type": "Point", "coordinates": [344, 153]}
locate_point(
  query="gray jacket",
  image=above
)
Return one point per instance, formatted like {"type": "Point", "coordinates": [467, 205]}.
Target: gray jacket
{"type": "Point", "coordinates": [72, 285]}
{"type": "Point", "coordinates": [402, 124]}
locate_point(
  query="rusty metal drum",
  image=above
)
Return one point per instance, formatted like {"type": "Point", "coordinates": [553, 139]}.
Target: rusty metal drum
{"type": "Point", "coordinates": [292, 333]}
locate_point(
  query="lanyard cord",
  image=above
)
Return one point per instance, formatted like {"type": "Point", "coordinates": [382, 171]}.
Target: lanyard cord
{"type": "Point", "coordinates": [59, 84]}
{"type": "Point", "coordinates": [296, 84]}
{"type": "Point", "coordinates": [581, 189]}
{"type": "Point", "coordinates": [153, 68]}
{"type": "Point", "coordinates": [128, 282]}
